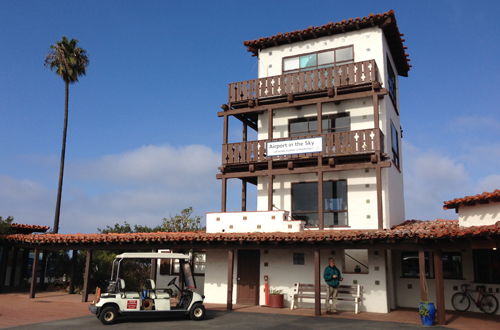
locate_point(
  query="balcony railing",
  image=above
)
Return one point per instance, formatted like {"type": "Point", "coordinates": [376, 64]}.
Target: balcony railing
{"type": "Point", "coordinates": [306, 81]}
{"type": "Point", "coordinates": [334, 144]}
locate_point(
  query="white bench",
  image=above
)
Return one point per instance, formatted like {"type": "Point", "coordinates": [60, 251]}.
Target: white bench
{"type": "Point", "coordinates": [345, 292]}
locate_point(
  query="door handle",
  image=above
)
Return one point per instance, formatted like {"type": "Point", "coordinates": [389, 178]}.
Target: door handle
{"type": "Point", "coordinates": [238, 278]}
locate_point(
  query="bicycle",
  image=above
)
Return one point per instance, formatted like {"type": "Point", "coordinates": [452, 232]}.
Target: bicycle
{"type": "Point", "coordinates": [486, 302]}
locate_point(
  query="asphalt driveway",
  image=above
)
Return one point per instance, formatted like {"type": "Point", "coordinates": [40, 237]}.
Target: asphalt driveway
{"type": "Point", "coordinates": [225, 320]}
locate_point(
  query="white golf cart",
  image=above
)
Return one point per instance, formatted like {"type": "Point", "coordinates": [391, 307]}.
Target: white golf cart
{"type": "Point", "coordinates": [152, 301]}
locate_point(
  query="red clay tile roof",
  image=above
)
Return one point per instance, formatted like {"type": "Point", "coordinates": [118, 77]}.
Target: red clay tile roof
{"type": "Point", "coordinates": [412, 228]}
{"type": "Point", "coordinates": [386, 21]}
{"type": "Point", "coordinates": [484, 198]}
{"type": "Point", "coordinates": [28, 229]}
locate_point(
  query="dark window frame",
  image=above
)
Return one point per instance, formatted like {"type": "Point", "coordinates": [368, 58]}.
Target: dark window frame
{"type": "Point", "coordinates": [412, 265]}
{"type": "Point", "coordinates": [395, 145]}
{"type": "Point", "coordinates": [392, 84]}
{"type": "Point", "coordinates": [486, 266]}
{"type": "Point", "coordinates": [324, 130]}
{"type": "Point", "coordinates": [316, 66]}
{"type": "Point", "coordinates": [296, 215]}
{"type": "Point", "coordinates": [299, 259]}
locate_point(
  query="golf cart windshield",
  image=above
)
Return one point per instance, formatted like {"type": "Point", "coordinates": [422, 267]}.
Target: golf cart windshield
{"type": "Point", "coordinates": [185, 265]}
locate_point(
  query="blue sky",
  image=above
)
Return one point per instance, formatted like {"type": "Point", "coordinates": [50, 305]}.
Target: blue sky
{"type": "Point", "coordinates": [144, 139]}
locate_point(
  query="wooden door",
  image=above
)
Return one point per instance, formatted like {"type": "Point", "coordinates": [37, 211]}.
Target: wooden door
{"type": "Point", "coordinates": [248, 277]}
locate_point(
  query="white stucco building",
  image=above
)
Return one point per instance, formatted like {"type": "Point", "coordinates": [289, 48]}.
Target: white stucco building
{"type": "Point", "coordinates": [325, 110]}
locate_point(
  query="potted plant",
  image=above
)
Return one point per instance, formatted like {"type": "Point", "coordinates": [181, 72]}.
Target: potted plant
{"type": "Point", "coordinates": [426, 309]}
{"type": "Point", "coordinates": [427, 312]}
{"type": "Point", "coordinates": [276, 298]}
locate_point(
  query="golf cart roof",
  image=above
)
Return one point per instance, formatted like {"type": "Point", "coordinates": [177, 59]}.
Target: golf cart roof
{"type": "Point", "coordinates": [151, 255]}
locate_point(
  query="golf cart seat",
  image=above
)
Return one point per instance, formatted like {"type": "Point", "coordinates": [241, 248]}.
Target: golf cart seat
{"type": "Point", "coordinates": [151, 286]}
{"type": "Point", "coordinates": [125, 294]}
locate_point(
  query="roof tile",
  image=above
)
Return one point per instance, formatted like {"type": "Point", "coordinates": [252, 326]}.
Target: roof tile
{"type": "Point", "coordinates": [485, 197]}
{"type": "Point", "coordinates": [411, 228]}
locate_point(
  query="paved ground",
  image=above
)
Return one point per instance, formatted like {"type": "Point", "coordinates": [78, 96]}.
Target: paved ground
{"type": "Point", "coordinates": [54, 310]}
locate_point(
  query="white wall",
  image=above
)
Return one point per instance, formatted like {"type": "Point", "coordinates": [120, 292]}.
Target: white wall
{"type": "Point", "coordinates": [361, 195]}
{"type": "Point", "coordinates": [367, 45]}
{"type": "Point", "coordinates": [243, 222]}
{"type": "Point", "coordinates": [479, 214]}
{"type": "Point", "coordinates": [283, 275]}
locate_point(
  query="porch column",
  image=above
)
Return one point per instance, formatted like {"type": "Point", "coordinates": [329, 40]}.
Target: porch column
{"type": "Point", "coordinates": [34, 273]}
{"type": "Point", "coordinates": [423, 280]}
{"type": "Point", "coordinates": [317, 283]}
{"type": "Point", "coordinates": [85, 293]}
{"type": "Point", "coordinates": [14, 266]}
{"type": "Point", "coordinates": [43, 269]}
{"type": "Point", "coordinates": [3, 266]}
{"type": "Point", "coordinates": [72, 273]}
{"type": "Point", "coordinates": [230, 267]}
{"type": "Point", "coordinates": [152, 273]}
{"type": "Point", "coordinates": [438, 275]}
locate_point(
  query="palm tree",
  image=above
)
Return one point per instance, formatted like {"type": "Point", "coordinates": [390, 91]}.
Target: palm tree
{"type": "Point", "coordinates": [69, 62]}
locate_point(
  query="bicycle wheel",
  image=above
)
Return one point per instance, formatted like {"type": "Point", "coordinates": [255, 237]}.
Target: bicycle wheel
{"type": "Point", "coordinates": [489, 304]}
{"type": "Point", "coordinates": [460, 301]}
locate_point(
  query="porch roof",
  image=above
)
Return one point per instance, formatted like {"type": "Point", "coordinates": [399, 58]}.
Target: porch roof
{"type": "Point", "coordinates": [484, 198]}
{"type": "Point", "coordinates": [437, 229]}
{"type": "Point", "coordinates": [386, 21]}
{"type": "Point", "coordinates": [20, 228]}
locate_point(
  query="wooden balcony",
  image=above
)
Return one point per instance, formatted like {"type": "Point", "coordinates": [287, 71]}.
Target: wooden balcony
{"type": "Point", "coordinates": [359, 142]}
{"type": "Point", "coordinates": [344, 77]}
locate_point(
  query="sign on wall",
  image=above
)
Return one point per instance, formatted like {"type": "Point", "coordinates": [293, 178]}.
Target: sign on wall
{"type": "Point", "coordinates": [291, 147]}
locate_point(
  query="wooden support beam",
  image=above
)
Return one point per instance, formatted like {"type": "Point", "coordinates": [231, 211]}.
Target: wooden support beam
{"type": "Point", "coordinates": [380, 209]}
{"type": "Point", "coordinates": [224, 195]}
{"type": "Point", "coordinates": [43, 268]}
{"type": "Point", "coordinates": [74, 258]}
{"type": "Point", "coordinates": [85, 293]}
{"type": "Point", "coordinates": [243, 195]}
{"type": "Point", "coordinates": [326, 99]}
{"type": "Point", "coordinates": [438, 275]}
{"type": "Point", "coordinates": [14, 267]}
{"type": "Point", "coordinates": [301, 170]}
{"type": "Point", "coordinates": [270, 192]}
{"type": "Point", "coordinates": [321, 206]}
{"type": "Point", "coordinates": [423, 280]}
{"type": "Point", "coordinates": [3, 266]}
{"type": "Point", "coordinates": [154, 262]}
{"type": "Point", "coordinates": [230, 267]}
{"type": "Point", "coordinates": [34, 273]}
{"type": "Point", "coordinates": [317, 283]}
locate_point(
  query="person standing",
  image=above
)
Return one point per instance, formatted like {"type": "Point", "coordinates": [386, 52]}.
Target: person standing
{"type": "Point", "coordinates": [332, 278]}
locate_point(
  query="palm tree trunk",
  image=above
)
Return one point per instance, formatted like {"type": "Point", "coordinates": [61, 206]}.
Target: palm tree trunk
{"type": "Point", "coordinates": [61, 168]}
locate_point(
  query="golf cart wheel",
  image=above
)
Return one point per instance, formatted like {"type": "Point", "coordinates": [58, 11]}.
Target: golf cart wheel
{"type": "Point", "coordinates": [197, 312]}
{"type": "Point", "coordinates": [108, 315]}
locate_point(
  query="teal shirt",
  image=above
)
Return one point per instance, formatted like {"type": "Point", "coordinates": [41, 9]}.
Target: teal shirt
{"type": "Point", "coordinates": [328, 275]}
